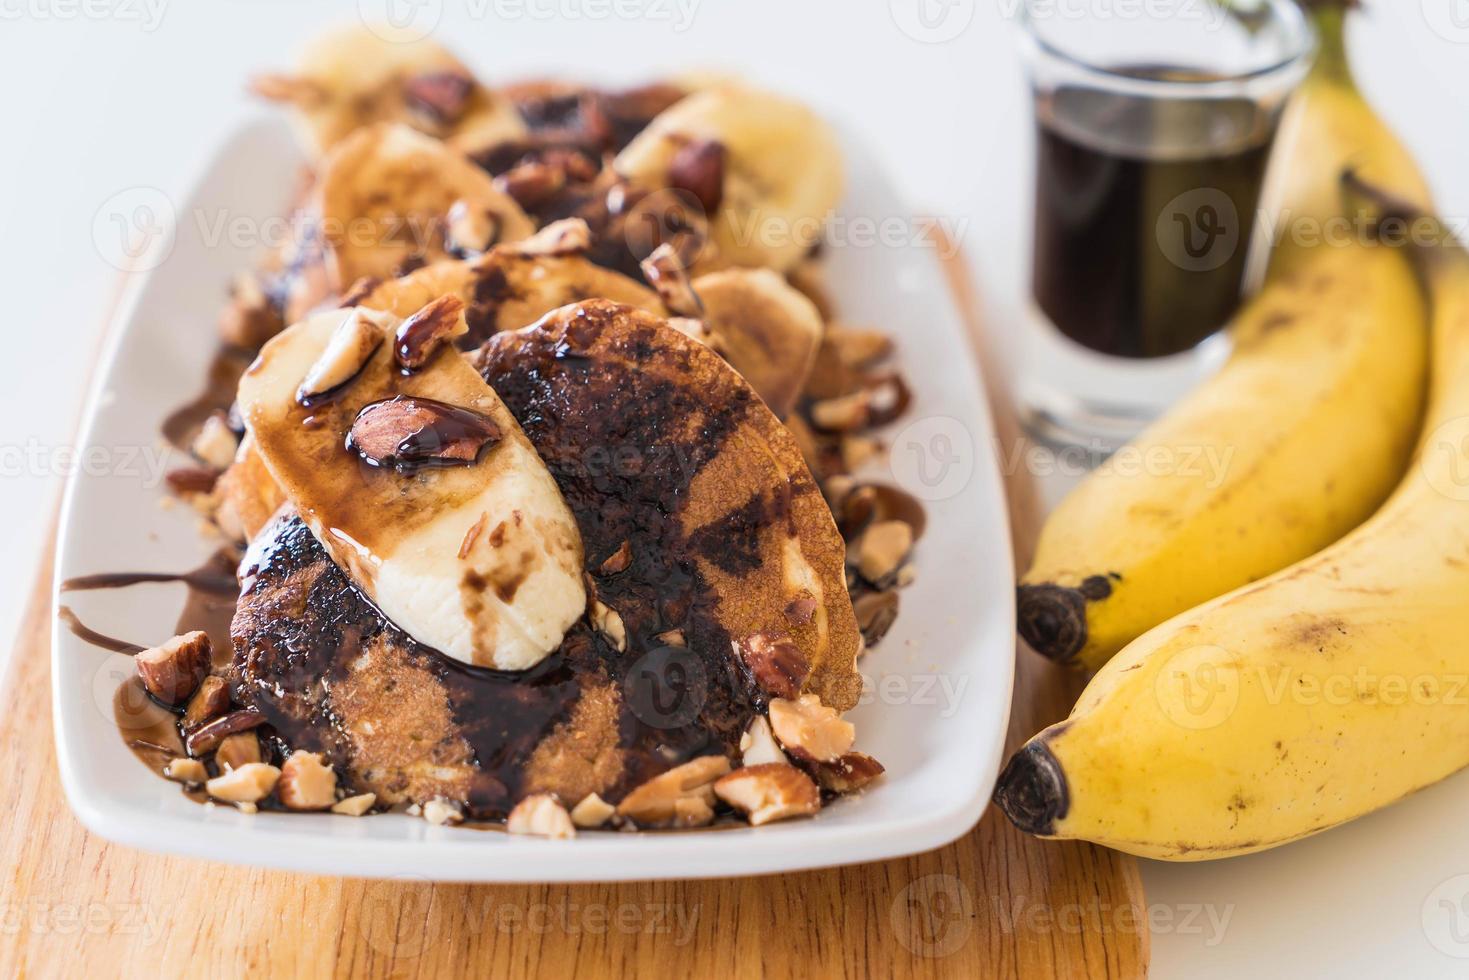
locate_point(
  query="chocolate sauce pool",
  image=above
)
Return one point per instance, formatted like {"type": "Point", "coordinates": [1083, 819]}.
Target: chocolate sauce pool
{"type": "Point", "coordinates": [225, 369]}
{"type": "Point", "coordinates": [148, 728]}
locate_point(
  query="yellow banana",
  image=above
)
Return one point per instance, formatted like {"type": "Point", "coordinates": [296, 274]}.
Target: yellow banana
{"type": "Point", "coordinates": [1296, 441]}
{"type": "Point", "coordinates": [1317, 695]}
{"type": "Point", "coordinates": [1293, 445]}
{"type": "Point", "coordinates": [1328, 128]}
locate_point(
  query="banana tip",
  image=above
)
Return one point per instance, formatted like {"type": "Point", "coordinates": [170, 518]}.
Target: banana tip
{"type": "Point", "coordinates": [1032, 790]}
{"type": "Point", "coordinates": [1052, 618]}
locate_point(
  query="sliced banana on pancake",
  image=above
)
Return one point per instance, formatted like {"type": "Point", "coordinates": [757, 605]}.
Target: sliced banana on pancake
{"type": "Point", "coordinates": [507, 289]}
{"type": "Point", "coordinates": [767, 330]}
{"type": "Point", "coordinates": [385, 196]}
{"type": "Point", "coordinates": [419, 482]}
{"type": "Point", "coordinates": [357, 76]}
{"type": "Point", "coordinates": [673, 465]}
{"type": "Point", "coordinates": [766, 170]}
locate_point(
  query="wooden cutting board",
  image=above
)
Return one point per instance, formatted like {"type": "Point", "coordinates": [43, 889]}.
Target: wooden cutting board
{"type": "Point", "coordinates": [993, 904]}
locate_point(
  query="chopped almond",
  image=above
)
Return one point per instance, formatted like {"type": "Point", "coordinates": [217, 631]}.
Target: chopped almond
{"type": "Point", "coordinates": [541, 815]}
{"type": "Point", "coordinates": [765, 793]}
{"type": "Point", "coordinates": [809, 729]}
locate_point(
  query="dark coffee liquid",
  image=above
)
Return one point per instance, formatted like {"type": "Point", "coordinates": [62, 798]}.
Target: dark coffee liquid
{"type": "Point", "coordinates": [1143, 214]}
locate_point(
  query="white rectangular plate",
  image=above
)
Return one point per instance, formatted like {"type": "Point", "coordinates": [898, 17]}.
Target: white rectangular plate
{"type": "Point", "coordinates": [940, 684]}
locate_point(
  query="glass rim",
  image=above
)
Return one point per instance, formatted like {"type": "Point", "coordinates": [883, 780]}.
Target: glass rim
{"type": "Point", "coordinates": [1303, 33]}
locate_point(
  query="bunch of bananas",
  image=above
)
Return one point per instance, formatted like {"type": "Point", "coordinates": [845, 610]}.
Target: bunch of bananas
{"type": "Point", "coordinates": [1269, 665]}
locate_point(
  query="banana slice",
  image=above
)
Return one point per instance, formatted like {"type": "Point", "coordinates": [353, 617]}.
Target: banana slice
{"type": "Point", "coordinates": [770, 188]}
{"type": "Point", "coordinates": [673, 465]}
{"type": "Point", "coordinates": [506, 290]}
{"type": "Point", "coordinates": [384, 197]}
{"type": "Point", "coordinates": [765, 328]}
{"type": "Point", "coordinates": [357, 76]}
{"type": "Point", "coordinates": [420, 485]}
{"type": "Point", "coordinates": [247, 495]}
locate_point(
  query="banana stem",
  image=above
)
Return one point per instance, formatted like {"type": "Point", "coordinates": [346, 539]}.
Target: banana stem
{"type": "Point", "coordinates": [1331, 52]}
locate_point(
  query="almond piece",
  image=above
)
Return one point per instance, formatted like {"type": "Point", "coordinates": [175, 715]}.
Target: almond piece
{"type": "Point", "coordinates": [876, 612]}
{"type": "Point", "coordinates": [190, 771]}
{"type": "Point", "coordinates": [883, 547]}
{"type": "Point", "coordinates": [801, 611]}
{"type": "Point", "coordinates": [758, 747]}
{"type": "Point", "coordinates": [569, 236]}
{"type": "Point", "coordinates": [355, 806]}
{"type": "Point", "coordinates": [878, 403]}
{"type": "Point", "coordinates": [437, 98]}
{"type": "Point", "coordinates": [609, 623]}
{"type": "Point", "coordinates": [673, 638]}
{"type": "Point", "coordinates": [187, 481]}
{"type": "Point", "coordinates": [779, 666]}
{"type": "Point", "coordinates": [307, 783]}
{"type": "Point", "coordinates": [656, 802]}
{"type": "Point", "coordinates": [351, 346]}
{"type": "Point", "coordinates": [541, 815]}
{"type": "Point", "coordinates": [770, 792]}
{"type": "Point", "coordinates": [248, 784]}
{"type": "Point", "coordinates": [173, 672]}
{"type": "Point", "coordinates": [664, 216]}
{"type": "Point", "coordinates": [848, 774]}
{"type": "Point", "coordinates": [666, 274]}
{"type": "Point", "coordinates": [808, 729]}
{"type": "Point", "coordinates": [419, 337]}
{"type": "Point", "coordinates": [211, 700]}
{"type": "Point", "coordinates": [618, 561]}
{"type": "Point", "coordinates": [857, 451]}
{"type": "Point", "coordinates": [440, 812]}
{"type": "Point", "coordinates": [206, 738]}
{"type": "Point", "coordinates": [698, 169]}
{"type": "Point", "coordinates": [237, 751]}
{"type": "Point", "coordinates": [858, 348]}
{"type": "Point", "coordinates": [215, 444]}
{"type": "Point", "coordinates": [250, 319]}
{"type": "Point", "coordinates": [408, 434]}
{"type": "Point", "coordinates": [532, 183]}
{"type": "Point", "coordinates": [592, 812]}
{"type": "Point", "coordinates": [472, 229]}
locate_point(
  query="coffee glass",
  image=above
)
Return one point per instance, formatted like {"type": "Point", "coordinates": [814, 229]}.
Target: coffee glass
{"type": "Point", "coordinates": [1154, 121]}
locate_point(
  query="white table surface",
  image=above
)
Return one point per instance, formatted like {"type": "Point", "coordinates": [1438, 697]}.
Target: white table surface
{"type": "Point", "coordinates": [102, 97]}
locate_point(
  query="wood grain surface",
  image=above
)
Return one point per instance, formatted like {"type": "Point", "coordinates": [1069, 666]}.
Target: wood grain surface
{"type": "Point", "coordinates": [993, 904]}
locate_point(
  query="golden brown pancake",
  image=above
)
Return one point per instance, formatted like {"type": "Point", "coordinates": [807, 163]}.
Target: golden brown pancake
{"type": "Point", "coordinates": [701, 526]}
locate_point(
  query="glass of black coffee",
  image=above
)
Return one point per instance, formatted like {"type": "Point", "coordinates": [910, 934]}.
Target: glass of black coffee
{"type": "Point", "coordinates": [1154, 125]}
